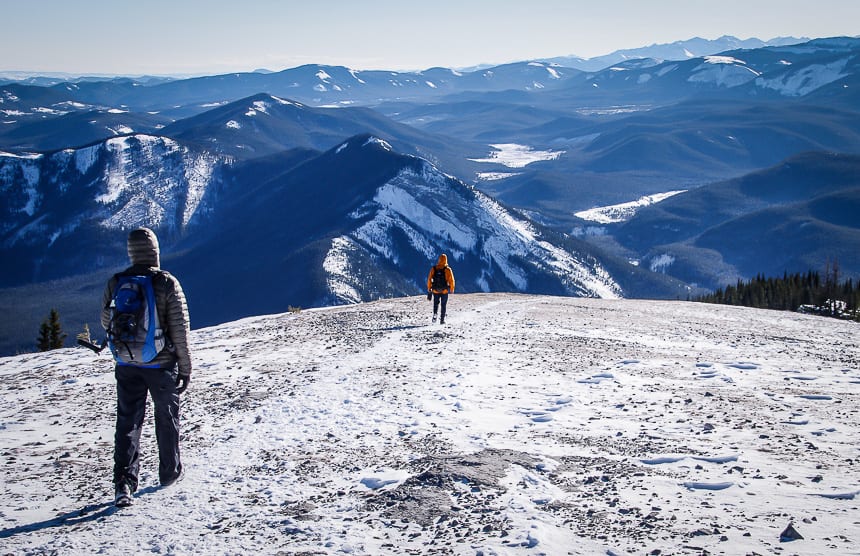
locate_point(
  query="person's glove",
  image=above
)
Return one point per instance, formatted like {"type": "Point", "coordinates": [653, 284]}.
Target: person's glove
{"type": "Point", "coordinates": [429, 296]}
{"type": "Point", "coordinates": [182, 383]}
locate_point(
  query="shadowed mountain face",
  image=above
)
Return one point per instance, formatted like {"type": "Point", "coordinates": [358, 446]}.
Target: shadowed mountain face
{"type": "Point", "coordinates": [790, 218]}
{"type": "Point", "coordinates": [64, 213]}
{"type": "Point", "coordinates": [61, 210]}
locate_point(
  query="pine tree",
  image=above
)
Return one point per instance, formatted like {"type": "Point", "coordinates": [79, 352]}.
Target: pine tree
{"type": "Point", "coordinates": [824, 295]}
{"type": "Point", "coordinates": [43, 342]}
{"type": "Point", "coordinates": [51, 334]}
{"type": "Point", "coordinates": [58, 337]}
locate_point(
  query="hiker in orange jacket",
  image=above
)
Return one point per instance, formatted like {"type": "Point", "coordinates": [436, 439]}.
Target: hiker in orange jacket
{"type": "Point", "coordinates": [440, 282]}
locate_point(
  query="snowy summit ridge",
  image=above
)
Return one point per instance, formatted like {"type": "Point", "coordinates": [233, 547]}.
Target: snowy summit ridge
{"type": "Point", "coordinates": [526, 425]}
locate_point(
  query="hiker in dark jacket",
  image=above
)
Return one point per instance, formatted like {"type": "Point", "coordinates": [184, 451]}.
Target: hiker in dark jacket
{"type": "Point", "coordinates": [165, 377]}
{"type": "Point", "coordinates": [440, 282]}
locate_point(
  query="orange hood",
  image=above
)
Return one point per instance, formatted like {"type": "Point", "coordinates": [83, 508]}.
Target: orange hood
{"type": "Point", "coordinates": [443, 260]}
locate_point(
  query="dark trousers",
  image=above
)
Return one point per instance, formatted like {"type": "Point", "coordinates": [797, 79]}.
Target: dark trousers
{"type": "Point", "coordinates": [132, 386]}
{"type": "Point", "coordinates": [437, 298]}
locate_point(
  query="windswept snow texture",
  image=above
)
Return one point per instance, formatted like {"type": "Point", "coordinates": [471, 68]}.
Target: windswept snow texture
{"type": "Point", "coordinates": [624, 211]}
{"type": "Point", "coordinates": [526, 425]}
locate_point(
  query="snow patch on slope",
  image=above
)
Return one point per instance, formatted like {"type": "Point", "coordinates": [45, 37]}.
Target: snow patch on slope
{"type": "Point", "coordinates": [337, 266]}
{"type": "Point", "coordinates": [395, 198]}
{"type": "Point", "coordinates": [126, 181]}
{"type": "Point", "coordinates": [723, 71]}
{"type": "Point", "coordinates": [377, 235]}
{"type": "Point", "coordinates": [86, 157]}
{"type": "Point", "coordinates": [804, 81]}
{"type": "Point", "coordinates": [661, 263]}
{"type": "Point", "coordinates": [198, 175]}
{"type": "Point", "coordinates": [517, 237]}
{"type": "Point", "coordinates": [377, 141]}
{"type": "Point", "coordinates": [624, 211]}
{"type": "Point", "coordinates": [553, 73]}
{"type": "Point", "coordinates": [396, 206]}
{"type": "Point", "coordinates": [149, 179]}
{"type": "Point", "coordinates": [495, 176]}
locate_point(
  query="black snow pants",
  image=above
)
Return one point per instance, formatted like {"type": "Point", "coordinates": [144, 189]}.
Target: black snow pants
{"type": "Point", "coordinates": [437, 298]}
{"type": "Point", "coordinates": [132, 386]}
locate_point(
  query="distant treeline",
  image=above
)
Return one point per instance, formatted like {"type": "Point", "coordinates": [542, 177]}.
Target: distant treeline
{"type": "Point", "coordinates": [808, 293]}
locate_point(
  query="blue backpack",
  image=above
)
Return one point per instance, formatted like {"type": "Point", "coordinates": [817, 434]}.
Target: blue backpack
{"type": "Point", "coordinates": [134, 334]}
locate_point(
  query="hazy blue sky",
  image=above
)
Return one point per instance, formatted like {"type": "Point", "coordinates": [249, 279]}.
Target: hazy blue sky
{"type": "Point", "coordinates": [215, 36]}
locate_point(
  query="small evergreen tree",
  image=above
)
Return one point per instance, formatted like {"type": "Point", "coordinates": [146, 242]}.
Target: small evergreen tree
{"type": "Point", "coordinates": [58, 337]}
{"type": "Point", "coordinates": [51, 334]}
{"type": "Point", "coordinates": [43, 342]}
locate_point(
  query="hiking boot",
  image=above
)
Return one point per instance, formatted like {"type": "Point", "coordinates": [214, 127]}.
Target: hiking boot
{"type": "Point", "coordinates": [434, 317]}
{"type": "Point", "coordinates": [442, 320]}
{"type": "Point", "coordinates": [175, 479]}
{"type": "Point", "coordinates": [123, 495]}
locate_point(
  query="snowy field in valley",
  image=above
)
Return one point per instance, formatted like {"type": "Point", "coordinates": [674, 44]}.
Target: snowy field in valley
{"type": "Point", "coordinates": [513, 155]}
{"type": "Point", "coordinates": [525, 425]}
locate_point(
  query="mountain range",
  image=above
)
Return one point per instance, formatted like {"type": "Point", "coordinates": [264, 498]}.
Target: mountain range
{"type": "Point", "coordinates": [678, 50]}
{"type": "Point", "coordinates": [696, 47]}
{"type": "Point", "coordinates": [321, 184]}
{"type": "Point", "coordinates": [300, 228]}
{"type": "Point", "coordinates": [793, 70]}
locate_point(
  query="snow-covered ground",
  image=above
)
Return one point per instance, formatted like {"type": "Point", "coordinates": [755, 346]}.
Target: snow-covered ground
{"type": "Point", "coordinates": [526, 425]}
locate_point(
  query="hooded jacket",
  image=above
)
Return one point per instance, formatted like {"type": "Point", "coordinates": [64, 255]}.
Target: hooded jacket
{"type": "Point", "coordinates": [143, 252]}
{"type": "Point", "coordinates": [449, 276]}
